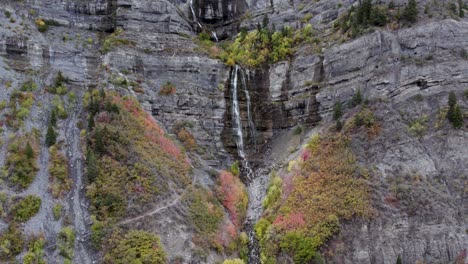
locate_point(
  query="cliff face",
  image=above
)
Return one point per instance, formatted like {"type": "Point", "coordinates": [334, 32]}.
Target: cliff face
{"type": "Point", "coordinates": [418, 182]}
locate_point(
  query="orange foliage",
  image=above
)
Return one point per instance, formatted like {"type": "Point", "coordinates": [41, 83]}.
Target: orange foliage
{"type": "Point", "coordinates": [327, 185]}
{"type": "Point", "coordinates": [226, 234]}
{"type": "Point", "coordinates": [233, 196]}
{"type": "Point", "coordinates": [153, 131]}
{"type": "Point", "coordinates": [290, 222]}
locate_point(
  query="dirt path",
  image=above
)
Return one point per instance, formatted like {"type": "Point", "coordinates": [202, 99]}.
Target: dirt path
{"type": "Point", "coordinates": [153, 212]}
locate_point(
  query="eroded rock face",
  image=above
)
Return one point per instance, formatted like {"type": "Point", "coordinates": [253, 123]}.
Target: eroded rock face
{"type": "Point", "coordinates": [404, 74]}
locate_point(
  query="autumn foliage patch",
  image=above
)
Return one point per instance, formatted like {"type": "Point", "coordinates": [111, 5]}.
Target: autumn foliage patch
{"type": "Point", "coordinates": [322, 188]}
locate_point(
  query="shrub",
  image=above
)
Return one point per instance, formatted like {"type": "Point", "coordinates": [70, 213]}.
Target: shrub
{"type": "Point", "coordinates": [365, 117]}
{"type": "Point", "coordinates": [337, 110]}
{"type": "Point", "coordinates": [42, 26]}
{"type": "Point", "coordinates": [454, 114]}
{"type": "Point", "coordinates": [29, 86]}
{"type": "Point", "coordinates": [418, 127]}
{"type": "Point", "coordinates": [11, 242]}
{"type": "Point", "coordinates": [235, 168]}
{"type": "Point", "coordinates": [21, 163]}
{"type": "Point", "coordinates": [167, 89]}
{"type": "Point", "coordinates": [66, 242]}
{"type": "Point", "coordinates": [26, 208]}
{"type": "Point", "coordinates": [323, 191]}
{"type": "Point", "coordinates": [205, 212]}
{"type": "Point", "coordinates": [57, 211]}
{"type": "Point", "coordinates": [98, 233]}
{"type": "Point", "coordinates": [410, 13]}
{"type": "Point", "coordinates": [233, 196]}
{"type": "Point", "coordinates": [58, 171]}
{"type": "Point", "coordinates": [273, 191]}
{"type": "Point", "coordinates": [136, 247]}
{"type": "Point", "coordinates": [114, 40]}
{"type": "Point", "coordinates": [129, 157]}
{"type": "Point", "coordinates": [35, 254]}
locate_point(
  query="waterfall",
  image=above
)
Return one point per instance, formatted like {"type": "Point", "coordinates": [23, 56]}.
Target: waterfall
{"type": "Point", "coordinates": [215, 36]}
{"type": "Point", "coordinates": [249, 112]}
{"type": "Point", "coordinates": [236, 114]}
{"type": "Point", "coordinates": [193, 14]}
{"type": "Point", "coordinates": [256, 182]}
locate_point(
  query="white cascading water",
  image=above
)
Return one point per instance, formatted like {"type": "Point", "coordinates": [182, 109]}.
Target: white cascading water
{"type": "Point", "coordinates": [215, 36]}
{"type": "Point", "coordinates": [236, 114]}
{"type": "Point", "coordinates": [255, 183]}
{"type": "Point", "coordinates": [249, 112]}
{"type": "Point", "coordinates": [193, 14]}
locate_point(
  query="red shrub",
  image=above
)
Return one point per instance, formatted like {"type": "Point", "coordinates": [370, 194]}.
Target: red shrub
{"type": "Point", "coordinates": [232, 195]}
{"type": "Point", "coordinates": [290, 222]}
{"type": "Point", "coordinates": [103, 117]}
{"type": "Point", "coordinates": [305, 154]}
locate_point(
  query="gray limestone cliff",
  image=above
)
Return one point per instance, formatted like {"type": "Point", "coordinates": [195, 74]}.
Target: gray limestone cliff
{"type": "Point", "coordinates": [404, 74]}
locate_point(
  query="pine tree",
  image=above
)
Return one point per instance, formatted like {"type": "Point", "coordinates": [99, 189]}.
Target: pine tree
{"type": "Point", "coordinates": [454, 114]}
{"type": "Point", "coordinates": [410, 13]}
{"type": "Point", "coordinates": [457, 119]}
{"type": "Point", "coordinates": [91, 123]}
{"type": "Point", "coordinates": [92, 169]}
{"type": "Point", "coordinates": [357, 98]}
{"type": "Point", "coordinates": [337, 110]}
{"type": "Point", "coordinates": [99, 142]}
{"type": "Point", "coordinates": [399, 261]}
{"type": "Point", "coordinates": [452, 99]}
{"type": "Point", "coordinates": [51, 137]}
{"type": "Point", "coordinates": [265, 21]}
{"type": "Point", "coordinates": [53, 118]}
{"type": "Point", "coordinates": [29, 151]}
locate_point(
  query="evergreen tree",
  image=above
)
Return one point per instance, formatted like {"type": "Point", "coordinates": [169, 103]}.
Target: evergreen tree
{"type": "Point", "coordinates": [53, 118]}
{"type": "Point", "coordinates": [457, 119]}
{"type": "Point", "coordinates": [460, 9]}
{"type": "Point", "coordinates": [399, 261]}
{"type": "Point", "coordinates": [29, 151]}
{"type": "Point", "coordinates": [357, 98]}
{"type": "Point", "coordinates": [337, 110]}
{"type": "Point", "coordinates": [452, 99]}
{"type": "Point", "coordinates": [92, 169]}
{"type": "Point", "coordinates": [91, 123]}
{"type": "Point", "coordinates": [51, 137]}
{"type": "Point", "coordinates": [454, 114]}
{"type": "Point", "coordinates": [265, 22]}
{"type": "Point", "coordinates": [410, 13]}
{"type": "Point", "coordinates": [99, 142]}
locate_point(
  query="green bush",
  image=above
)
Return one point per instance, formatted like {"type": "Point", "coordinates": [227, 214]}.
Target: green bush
{"type": "Point", "coordinates": [35, 254]}
{"type": "Point", "coordinates": [205, 211]}
{"type": "Point", "coordinates": [11, 242]}
{"type": "Point", "coordinates": [26, 208]}
{"type": "Point", "coordinates": [136, 247]}
{"type": "Point", "coordinates": [410, 13]}
{"type": "Point", "coordinates": [337, 110]}
{"type": "Point", "coordinates": [58, 170]}
{"type": "Point", "coordinates": [66, 242]}
{"type": "Point", "coordinates": [235, 168]}
{"type": "Point", "coordinates": [57, 211]}
{"type": "Point", "coordinates": [273, 191]}
{"type": "Point", "coordinates": [98, 232]}
{"type": "Point", "coordinates": [454, 114]}
{"type": "Point", "coordinates": [20, 164]}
